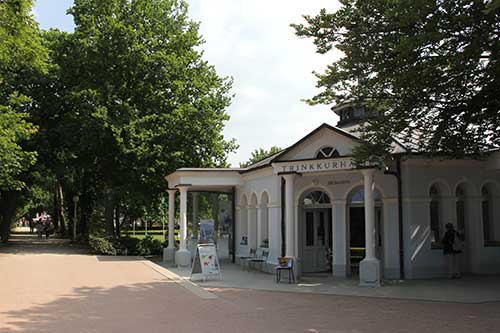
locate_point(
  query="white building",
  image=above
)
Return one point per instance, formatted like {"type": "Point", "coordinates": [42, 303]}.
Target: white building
{"type": "Point", "coordinates": [312, 197]}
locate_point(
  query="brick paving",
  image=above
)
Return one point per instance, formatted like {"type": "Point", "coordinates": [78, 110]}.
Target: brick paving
{"type": "Point", "coordinates": [66, 291]}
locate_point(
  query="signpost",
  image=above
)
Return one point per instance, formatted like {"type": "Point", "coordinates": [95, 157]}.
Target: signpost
{"type": "Point", "coordinates": [206, 261]}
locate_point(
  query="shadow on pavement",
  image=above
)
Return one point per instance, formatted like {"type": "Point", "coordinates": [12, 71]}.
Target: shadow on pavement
{"type": "Point", "coordinates": [26, 243]}
{"type": "Point", "coordinates": [161, 307]}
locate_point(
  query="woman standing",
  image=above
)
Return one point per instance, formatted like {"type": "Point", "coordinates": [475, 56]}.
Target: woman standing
{"type": "Point", "coordinates": [451, 250]}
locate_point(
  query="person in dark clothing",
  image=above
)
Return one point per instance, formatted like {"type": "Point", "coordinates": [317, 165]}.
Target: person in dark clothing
{"type": "Point", "coordinates": [47, 228]}
{"type": "Point", "coordinates": [451, 250]}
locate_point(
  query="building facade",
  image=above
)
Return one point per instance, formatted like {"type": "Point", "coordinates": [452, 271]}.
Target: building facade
{"type": "Point", "coordinates": [310, 202]}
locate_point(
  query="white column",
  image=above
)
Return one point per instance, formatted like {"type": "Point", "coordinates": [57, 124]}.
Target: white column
{"type": "Point", "coordinates": [259, 225]}
{"type": "Point", "coordinates": [183, 256]}
{"type": "Point", "coordinates": [169, 252]}
{"type": "Point", "coordinates": [339, 237]}
{"type": "Point", "coordinates": [274, 220]}
{"type": "Point", "coordinates": [289, 215]}
{"type": "Point", "coordinates": [251, 227]}
{"type": "Point", "coordinates": [369, 270]}
{"type": "Point", "coordinates": [195, 214]}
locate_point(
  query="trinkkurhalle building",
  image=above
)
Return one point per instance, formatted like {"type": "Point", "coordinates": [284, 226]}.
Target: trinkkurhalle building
{"type": "Point", "coordinates": [385, 224]}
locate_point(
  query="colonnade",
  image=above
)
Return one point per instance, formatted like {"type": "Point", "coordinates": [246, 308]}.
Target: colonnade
{"type": "Point", "coordinates": [182, 256]}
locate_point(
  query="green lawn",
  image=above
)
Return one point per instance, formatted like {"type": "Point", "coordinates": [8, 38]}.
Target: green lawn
{"type": "Point", "coordinates": [156, 234]}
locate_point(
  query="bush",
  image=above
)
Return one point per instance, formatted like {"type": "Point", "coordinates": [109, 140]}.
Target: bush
{"type": "Point", "coordinates": [101, 245]}
{"type": "Point", "coordinates": [126, 246]}
{"type": "Point", "coordinates": [149, 246]}
{"type": "Point", "coordinates": [131, 245]}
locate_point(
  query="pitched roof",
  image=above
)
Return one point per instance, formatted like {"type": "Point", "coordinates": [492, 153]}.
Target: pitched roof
{"type": "Point", "coordinates": [270, 159]}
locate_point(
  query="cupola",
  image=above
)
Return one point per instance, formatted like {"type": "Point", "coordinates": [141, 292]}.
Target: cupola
{"type": "Point", "coordinates": [352, 113]}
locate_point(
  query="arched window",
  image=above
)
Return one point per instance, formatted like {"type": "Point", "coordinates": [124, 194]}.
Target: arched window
{"type": "Point", "coordinates": [327, 152]}
{"type": "Point", "coordinates": [460, 208]}
{"type": "Point", "coordinates": [316, 198]}
{"type": "Point", "coordinates": [490, 217]}
{"type": "Point", "coordinates": [486, 213]}
{"type": "Point", "coordinates": [435, 215]}
{"type": "Point", "coordinates": [357, 197]}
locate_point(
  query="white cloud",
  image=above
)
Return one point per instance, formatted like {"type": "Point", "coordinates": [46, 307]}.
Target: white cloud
{"type": "Point", "coordinates": [253, 42]}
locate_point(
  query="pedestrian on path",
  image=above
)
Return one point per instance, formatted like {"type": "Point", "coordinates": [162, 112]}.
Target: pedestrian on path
{"type": "Point", "coordinates": [32, 225]}
{"type": "Point", "coordinates": [47, 228]}
{"type": "Point", "coordinates": [39, 228]}
{"type": "Point", "coordinates": [451, 250]}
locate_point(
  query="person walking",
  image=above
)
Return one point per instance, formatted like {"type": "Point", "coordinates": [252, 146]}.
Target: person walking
{"type": "Point", "coordinates": [47, 228]}
{"type": "Point", "coordinates": [39, 228]}
{"type": "Point", "coordinates": [451, 250]}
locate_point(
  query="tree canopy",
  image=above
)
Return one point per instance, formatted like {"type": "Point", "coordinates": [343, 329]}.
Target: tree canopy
{"type": "Point", "coordinates": [429, 68]}
{"type": "Point", "coordinates": [117, 104]}
{"type": "Point", "coordinates": [260, 154]}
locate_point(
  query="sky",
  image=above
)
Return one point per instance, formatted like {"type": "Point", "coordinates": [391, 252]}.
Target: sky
{"type": "Point", "coordinates": [251, 41]}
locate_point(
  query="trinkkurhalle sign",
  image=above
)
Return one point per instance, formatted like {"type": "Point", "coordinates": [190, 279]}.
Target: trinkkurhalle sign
{"type": "Point", "coordinates": [332, 164]}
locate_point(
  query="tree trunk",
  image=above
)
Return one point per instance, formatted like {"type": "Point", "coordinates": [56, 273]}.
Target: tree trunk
{"type": "Point", "coordinates": [55, 212]}
{"type": "Point", "coordinates": [8, 202]}
{"type": "Point", "coordinates": [61, 210]}
{"type": "Point", "coordinates": [109, 216]}
{"type": "Point", "coordinates": [85, 213]}
{"type": "Point", "coordinates": [117, 221]}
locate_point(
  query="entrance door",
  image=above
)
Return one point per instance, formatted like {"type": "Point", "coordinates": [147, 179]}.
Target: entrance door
{"type": "Point", "coordinates": [357, 235]}
{"type": "Point", "coordinates": [316, 231]}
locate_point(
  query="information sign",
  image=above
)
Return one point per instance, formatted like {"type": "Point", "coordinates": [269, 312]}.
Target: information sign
{"type": "Point", "coordinates": [206, 261]}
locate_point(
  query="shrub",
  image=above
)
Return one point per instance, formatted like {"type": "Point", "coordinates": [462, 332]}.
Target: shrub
{"type": "Point", "coordinates": [101, 245]}
{"type": "Point", "coordinates": [149, 246]}
{"type": "Point", "coordinates": [131, 245]}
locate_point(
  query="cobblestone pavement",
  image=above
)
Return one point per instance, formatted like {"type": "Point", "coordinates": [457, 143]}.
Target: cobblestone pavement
{"type": "Point", "coordinates": [67, 291]}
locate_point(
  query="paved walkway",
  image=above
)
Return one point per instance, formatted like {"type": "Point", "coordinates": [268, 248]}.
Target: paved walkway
{"type": "Point", "coordinates": [469, 289]}
{"type": "Point", "coordinates": [47, 290]}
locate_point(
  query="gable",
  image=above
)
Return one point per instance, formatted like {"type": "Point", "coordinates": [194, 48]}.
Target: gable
{"type": "Point", "coordinates": [323, 136]}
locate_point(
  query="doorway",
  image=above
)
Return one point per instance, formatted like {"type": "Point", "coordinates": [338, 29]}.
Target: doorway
{"type": "Point", "coordinates": [356, 228]}
{"type": "Point", "coordinates": [316, 240]}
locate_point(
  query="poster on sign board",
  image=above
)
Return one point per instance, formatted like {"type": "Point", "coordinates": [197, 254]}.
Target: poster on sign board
{"type": "Point", "coordinates": [206, 261]}
{"type": "Point", "coordinates": [207, 231]}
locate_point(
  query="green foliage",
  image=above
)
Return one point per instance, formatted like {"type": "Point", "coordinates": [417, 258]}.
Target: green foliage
{"type": "Point", "coordinates": [260, 154]}
{"type": "Point", "coordinates": [126, 246]}
{"type": "Point", "coordinates": [101, 245]}
{"type": "Point", "coordinates": [21, 53]}
{"type": "Point", "coordinates": [131, 245]}
{"type": "Point", "coordinates": [14, 160]}
{"type": "Point", "coordinates": [431, 67]}
{"type": "Point", "coordinates": [122, 101]}
{"type": "Point", "coordinates": [149, 246]}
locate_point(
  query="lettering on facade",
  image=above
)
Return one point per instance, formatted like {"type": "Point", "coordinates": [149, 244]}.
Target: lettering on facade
{"type": "Point", "coordinates": [322, 165]}
{"type": "Point", "coordinates": [338, 182]}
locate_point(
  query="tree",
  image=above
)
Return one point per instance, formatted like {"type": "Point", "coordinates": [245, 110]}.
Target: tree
{"type": "Point", "coordinates": [429, 68]}
{"type": "Point", "coordinates": [21, 52]}
{"type": "Point", "coordinates": [127, 99]}
{"type": "Point", "coordinates": [260, 154]}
